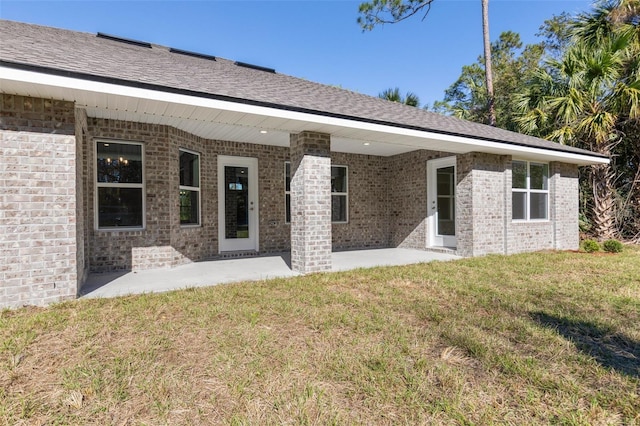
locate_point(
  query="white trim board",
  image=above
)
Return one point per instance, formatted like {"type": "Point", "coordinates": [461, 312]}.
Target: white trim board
{"type": "Point", "coordinates": [88, 94]}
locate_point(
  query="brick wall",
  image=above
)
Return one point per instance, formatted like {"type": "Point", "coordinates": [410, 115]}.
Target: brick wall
{"type": "Point", "coordinates": [310, 202]}
{"type": "Point", "coordinates": [140, 249]}
{"type": "Point", "coordinates": [484, 206]}
{"type": "Point", "coordinates": [368, 225]}
{"type": "Point", "coordinates": [408, 198]}
{"type": "Point", "coordinates": [81, 222]}
{"type": "Point", "coordinates": [564, 205]}
{"type": "Point", "coordinates": [38, 263]}
{"type": "Point", "coordinates": [481, 203]}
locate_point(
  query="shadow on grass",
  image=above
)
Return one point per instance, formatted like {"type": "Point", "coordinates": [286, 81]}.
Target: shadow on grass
{"type": "Point", "coordinates": [610, 349]}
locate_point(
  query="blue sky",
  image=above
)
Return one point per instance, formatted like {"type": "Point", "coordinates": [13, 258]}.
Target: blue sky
{"type": "Point", "coordinates": [315, 40]}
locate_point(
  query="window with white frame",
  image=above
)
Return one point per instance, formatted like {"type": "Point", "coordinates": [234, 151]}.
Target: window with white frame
{"type": "Point", "coordinates": [287, 191]}
{"type": "Point", "coordinates": [119, 185]}
{"type": "Point", "coordinates": [189, 187]}
{"type": "Point", "coordinates": [530, 190]}
{"type": "Point", "coordinates": [339, 193]}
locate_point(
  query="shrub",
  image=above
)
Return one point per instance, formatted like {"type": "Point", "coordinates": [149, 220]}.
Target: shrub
{"type": "Point", "coordinates": [590, 246]}
{"type": "Point", "coordinates": [612, 246]}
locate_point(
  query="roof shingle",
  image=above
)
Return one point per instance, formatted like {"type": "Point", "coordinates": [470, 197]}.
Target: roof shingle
{"type": "Point", "coordinates": [84, 53]}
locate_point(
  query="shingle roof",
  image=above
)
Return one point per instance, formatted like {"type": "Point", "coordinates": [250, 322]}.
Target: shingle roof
{"type": "Point", "coordinates": [89, 56]}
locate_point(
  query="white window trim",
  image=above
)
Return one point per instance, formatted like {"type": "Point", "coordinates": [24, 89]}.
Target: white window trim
{"type": "Point", "coordinates": [528, 191]}
{"type": "Point", "coordinates": [286, 192]}
{"type": "Point", "coordinates": [192, 188]}
{"type": "Point", "coordinates": [96, 211]}
{"type": "Point", "coordinates": [346, 194]}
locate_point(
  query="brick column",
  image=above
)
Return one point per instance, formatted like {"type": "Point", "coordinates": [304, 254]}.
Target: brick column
{"type": "Point", "coordinates": [310, 202]}
{"type": "Point", "coordinates": [564, 196]}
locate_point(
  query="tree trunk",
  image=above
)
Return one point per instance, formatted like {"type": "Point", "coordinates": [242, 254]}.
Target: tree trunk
{"type": "Point", "coordinates": [487, 63]}
{"type": "Point", "coordinates": [603, 202]}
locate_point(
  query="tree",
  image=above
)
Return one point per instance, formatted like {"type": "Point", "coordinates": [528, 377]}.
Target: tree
{"type": "Point", "coordinates": [467, 97]}
{"type": "Point", "coordinates": [394, 95]}
{"type": "Point", "coordinates": [380, 12]}
{"type": "Point", "coordinates": [590, 98]}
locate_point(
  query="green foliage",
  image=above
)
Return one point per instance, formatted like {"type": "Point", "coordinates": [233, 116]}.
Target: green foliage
{"type": "Point", "coordinates": [394, 95]}
{"type": "Point", "coordinates": [612, 246]}
{"type": "Point", "coordinates": [512, 66]}
{"type": "Point", "coordinates": [379, 12]}
{"type": "Point", "coordinates": [590, 246]}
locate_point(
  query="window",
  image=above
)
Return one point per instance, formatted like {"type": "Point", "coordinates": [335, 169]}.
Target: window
{"type": "Point", "coordinates": [339, 193]}
{"type": "Point", "coordinates": [189, 188]}
{"type": "Point", "coordinates": [530, 190]}
{"type": "Point", "coordinates": [119, 185]}
{"type": "Point", "coordinates": [287, 191]}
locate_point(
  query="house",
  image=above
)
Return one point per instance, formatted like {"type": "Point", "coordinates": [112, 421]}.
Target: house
{"type": "Point", "coordinates": [120, 154]}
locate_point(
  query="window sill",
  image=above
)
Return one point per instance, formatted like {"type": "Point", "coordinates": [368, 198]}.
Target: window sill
{"type": "Point", "coordinates": [190, 225]}
{"type": "Point", "coordinates": [530, 221]}
{"type": "Point", "coordinates": [119, 229]}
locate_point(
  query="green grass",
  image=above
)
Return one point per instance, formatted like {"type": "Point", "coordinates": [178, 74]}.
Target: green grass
{"type": "Point", "coordinates": [528, 339]}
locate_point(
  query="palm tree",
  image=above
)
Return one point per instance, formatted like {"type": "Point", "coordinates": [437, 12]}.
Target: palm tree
{"type": "Point", "coordinates": [585, 98]}
{"type": "Point", "coordinates": [394, 95]}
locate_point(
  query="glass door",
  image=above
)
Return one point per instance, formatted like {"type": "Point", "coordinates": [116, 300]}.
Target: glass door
{"type": "Point", "coordinates": [441, 197]}
{"type": "Point", "coordinates": [237, 203]}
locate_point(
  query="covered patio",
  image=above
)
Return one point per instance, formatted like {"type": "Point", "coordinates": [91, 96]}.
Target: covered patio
{"type": "Point", "coordinates": [213, 272]}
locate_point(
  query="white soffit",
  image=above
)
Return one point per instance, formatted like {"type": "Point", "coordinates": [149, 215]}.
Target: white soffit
{"type": "Point", "coordinates": [235, 121]}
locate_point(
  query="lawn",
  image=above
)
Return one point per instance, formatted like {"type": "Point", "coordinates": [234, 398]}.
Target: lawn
{"type": "Point", "coordinates": [537, 338]}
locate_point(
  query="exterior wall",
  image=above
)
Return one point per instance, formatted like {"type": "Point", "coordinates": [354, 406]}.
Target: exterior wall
{"type": "Point", "coordinates": [164, 242]}
{"type": "Point", "coordinates": [81, 222]}
{"type": "Point", "coordinates": [481, 203]}
{"type": "Point", "coordinates": [408, 198]}
{"type": "Point", "coordinates": [139, 249]}
{"type": "Point", "coordinates": [38, 263]}
{"type": "Point", "coordinates": [565, 205]}
{"type": "Point", "coordinates": [561, 230]}
{"type": "Point", "coordinates": [368, 225]}
{"type": "Point", "coordinates": [310, 202]}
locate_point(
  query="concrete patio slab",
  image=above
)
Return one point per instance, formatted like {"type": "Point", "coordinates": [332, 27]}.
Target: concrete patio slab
{"type": "Point", "coordinates": [202, 274]}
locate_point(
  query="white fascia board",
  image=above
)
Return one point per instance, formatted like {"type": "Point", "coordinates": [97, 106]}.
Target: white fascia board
{"type": "Point", "coordinates": [176, 98]}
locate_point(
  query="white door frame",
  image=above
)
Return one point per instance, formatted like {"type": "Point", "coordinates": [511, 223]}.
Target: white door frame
{"type": "Point", "coordinates": [238, 244]}
{"type": "Point", "coordinates": [433, 239]}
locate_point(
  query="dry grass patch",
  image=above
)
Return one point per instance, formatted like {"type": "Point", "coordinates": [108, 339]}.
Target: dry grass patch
{"type": "Point", "coordinates": [527, 339]}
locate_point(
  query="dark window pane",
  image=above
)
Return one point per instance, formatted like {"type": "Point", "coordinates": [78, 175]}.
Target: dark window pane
{"type": "Point", "coordinates": [119, 163]}
{"type": "Point", "coordinates": [287, 176]}
{"type": "Point", "coordinates": [189, 207]}
{"type": "Point", "coordinates": [338, 179]}
{"type": "Point", "coordinates": [189, 169]}
{"type": "Point", "coordinates": [538, 206]}
{"type": "Point", "coordinates": [539, 175]}
{"type": "Point", "coordinates": [519, 174]}
{"type": "Point", "coordinates": [119, 207]}
{"type": "Point", "coordinates": [288, 207]}
{"type": "Point", "coordinates": [445, 181]}
{"type": "Point", "coordinates": [236, 202]}
{"type": "Point", "coordinates": [519, 204]}
{"type": "Point", "coordinates": [338, 208]}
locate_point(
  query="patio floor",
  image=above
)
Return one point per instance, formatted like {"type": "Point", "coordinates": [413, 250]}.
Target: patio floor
{"type": "Point", "coordinates": [201, 274]}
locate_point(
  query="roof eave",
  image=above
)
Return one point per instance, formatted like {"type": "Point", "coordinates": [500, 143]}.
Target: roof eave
{"type": "Point", "coordinates": [396, 133]}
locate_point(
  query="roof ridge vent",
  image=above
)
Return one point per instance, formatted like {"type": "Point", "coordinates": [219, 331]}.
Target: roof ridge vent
{"type": "Point", "coordinates": [194, 54]}
{"type": "Point", "coordinates": [124, 40]}
{"type": "Point", "coordinates": [254, 67]}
